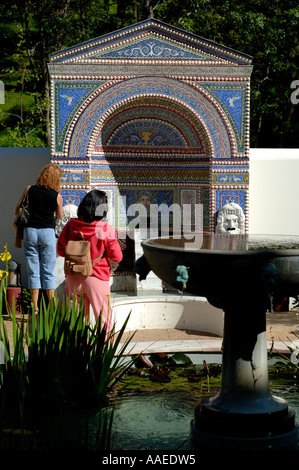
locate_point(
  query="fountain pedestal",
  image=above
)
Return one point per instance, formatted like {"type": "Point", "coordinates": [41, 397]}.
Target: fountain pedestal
{"type": "Point", "coordinates": [244, 413]}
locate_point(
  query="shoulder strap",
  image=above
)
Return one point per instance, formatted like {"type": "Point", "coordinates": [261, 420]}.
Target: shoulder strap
{"type": "Point", "coordinates": [25, 195]}
{"type": "Point", "coordinates": [99, 257]}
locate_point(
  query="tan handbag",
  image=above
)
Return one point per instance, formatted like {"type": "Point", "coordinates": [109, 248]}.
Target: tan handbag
{"type": "Point", "coordinates": [78, 260]}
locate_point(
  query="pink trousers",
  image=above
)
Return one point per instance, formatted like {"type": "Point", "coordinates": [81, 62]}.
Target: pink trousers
{"type": "Point", "coordinates": [95, 292]}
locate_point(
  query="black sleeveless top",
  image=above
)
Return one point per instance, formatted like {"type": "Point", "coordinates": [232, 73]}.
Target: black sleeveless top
{"type": "Point", "coordinates": [42, 206]}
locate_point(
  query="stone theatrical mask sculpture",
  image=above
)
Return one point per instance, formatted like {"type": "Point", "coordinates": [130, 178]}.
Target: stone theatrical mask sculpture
{"type": "Point", "coordinates": [231, 219]}
{"type": "Point", "coordinates": [69, 212]}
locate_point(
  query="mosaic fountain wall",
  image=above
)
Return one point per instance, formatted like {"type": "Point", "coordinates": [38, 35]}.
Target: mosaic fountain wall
{"type": "Point", "coordinates": [152, 114]}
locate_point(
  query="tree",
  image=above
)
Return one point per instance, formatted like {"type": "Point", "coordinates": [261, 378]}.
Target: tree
{"type": "Point", "coordinates": [268, 30]}
{"type": "Point", "coordinates": [31, 31]}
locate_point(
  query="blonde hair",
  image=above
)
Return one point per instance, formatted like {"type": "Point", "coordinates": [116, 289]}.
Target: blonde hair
{"type": "Point", "coordinates": [50, 177]}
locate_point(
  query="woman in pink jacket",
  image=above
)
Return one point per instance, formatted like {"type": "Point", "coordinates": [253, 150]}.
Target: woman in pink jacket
{"type": "Point", "coordinates": [95, 288]}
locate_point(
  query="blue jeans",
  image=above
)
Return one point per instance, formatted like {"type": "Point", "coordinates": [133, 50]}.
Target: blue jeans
{"type": "Point", "coordinates": [40, 251]}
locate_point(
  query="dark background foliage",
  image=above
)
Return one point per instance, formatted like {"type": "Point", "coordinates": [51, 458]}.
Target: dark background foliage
{"type": "Point", "coordinates": [33, 29]}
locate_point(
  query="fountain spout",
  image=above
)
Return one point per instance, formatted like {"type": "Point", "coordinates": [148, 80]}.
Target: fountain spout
{"type": "Point", "coordinates": [182, 275]}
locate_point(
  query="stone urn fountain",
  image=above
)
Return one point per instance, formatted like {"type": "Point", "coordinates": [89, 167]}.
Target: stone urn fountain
{"type": "Point", "coordinates": [240, 274]}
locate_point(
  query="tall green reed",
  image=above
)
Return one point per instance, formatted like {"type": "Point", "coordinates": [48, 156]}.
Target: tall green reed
{"type": "Point", "coordinates": [57, 364]}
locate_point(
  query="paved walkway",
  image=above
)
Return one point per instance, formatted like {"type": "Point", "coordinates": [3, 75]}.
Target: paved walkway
{"type": "Point", "coordinates": [282, 327]}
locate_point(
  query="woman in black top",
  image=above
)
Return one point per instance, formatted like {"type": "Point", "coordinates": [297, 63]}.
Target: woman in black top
{"type": "Point", "coordinates": [39, 240]}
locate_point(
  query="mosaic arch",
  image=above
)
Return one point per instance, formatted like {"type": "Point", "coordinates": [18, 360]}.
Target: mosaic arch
{"type": "Point", "coordinates": [93, 113]}
{"type": "Point", "coordinates": [152, 113]}
{"type": "Point", "coordinates": [177, 125]}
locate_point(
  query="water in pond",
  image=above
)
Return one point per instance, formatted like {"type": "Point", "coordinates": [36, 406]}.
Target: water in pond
{"type": "Point", "coordinates": [159, 418]}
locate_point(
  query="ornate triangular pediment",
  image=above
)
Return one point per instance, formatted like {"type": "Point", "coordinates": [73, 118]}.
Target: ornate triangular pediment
{"type": "Point", "coordinates": [151, 40]}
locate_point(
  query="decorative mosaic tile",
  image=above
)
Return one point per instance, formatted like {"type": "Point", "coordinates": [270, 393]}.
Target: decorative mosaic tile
{"type": "Point", "coordinates": [152, 114]}
{"type": "Point", "coordinates": [144, 175]}
{"type": "Point", "coordinates": [224, 196]}
{"type": "Point", "coordinates": [151, 47]}
{"type": "Point", "coordinates": [110, 192]}
{"type": "Point", "coordinates": [72, 196]}
{"type": "Point", "coordinates": [75, 177]}
{"type": "Point", "coordinates": [69, 96]}
{"type": "Point", "coordinates": [188, 196]}
{"type": "Point", "coordinates": [145, 196]}
{"type": "Point", "coordinates": [148, 132]}
{"type": "Point", "coordinates": [188, 199]}
{"type": "Point", "coordinates": [232, 99]}
{"type": "Point", "coordinates": [233, 178]}
{"type": "Point", "coordinates": [144, 86]}
{"type": "Point", "coordinates": [168, 36]}
{"type": "Point", "coordinates": [205, 198]}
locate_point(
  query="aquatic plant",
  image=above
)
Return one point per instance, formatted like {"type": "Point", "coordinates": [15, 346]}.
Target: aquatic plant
{"type": "Point", "coordinates": [56, 365]}
{"type": "Point", "coordinates": [286, 365]}
{"type": "Point", "coordinates": [171, 372]}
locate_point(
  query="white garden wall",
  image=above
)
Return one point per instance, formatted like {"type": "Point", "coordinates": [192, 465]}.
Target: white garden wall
{"type": "Point", "coordinates": [18, 168]}
{"type": "Point", "coordinates": [274, 191]}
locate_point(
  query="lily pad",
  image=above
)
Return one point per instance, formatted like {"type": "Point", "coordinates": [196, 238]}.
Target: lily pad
{"type": "Point", "coordinates": [181, 360]}
{"type": "Point", "coordinates": [160, 359]}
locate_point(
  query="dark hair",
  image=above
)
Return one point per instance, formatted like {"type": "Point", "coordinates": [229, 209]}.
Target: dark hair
{"type": "Point", "coordinates": [93, 206]}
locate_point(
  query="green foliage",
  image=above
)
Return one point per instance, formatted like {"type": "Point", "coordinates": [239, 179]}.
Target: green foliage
{"type": "Point", "coordinates": [286, 365]}
{"type": "Point", "coordinates": [21, 121]}
{"type": "Point", "coordinates": [268, 31]}
{"type": "Point", "coordinates": [31, 30]}
{"type": "Point", "coordinates": [59, 364]}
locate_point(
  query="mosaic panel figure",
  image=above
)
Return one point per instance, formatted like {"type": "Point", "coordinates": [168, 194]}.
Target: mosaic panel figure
{"type": "Point", "coordinates": [152, 114]}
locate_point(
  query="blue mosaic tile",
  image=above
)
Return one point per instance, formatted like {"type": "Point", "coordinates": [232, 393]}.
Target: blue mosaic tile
{"type": "Point", "coordinates": [224, 196]}
{"type": "Point", "coordinates": [72, 196]}
{"type": "Point", "coordinates": [170, 137]}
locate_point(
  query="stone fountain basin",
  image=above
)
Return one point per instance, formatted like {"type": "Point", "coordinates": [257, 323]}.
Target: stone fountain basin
{"type": "Point", "coordinates": [238, 273]}
{"type": "Point", "coordinates": [168, 311]}
{"type": "Point", "coordinates": [223, 266]}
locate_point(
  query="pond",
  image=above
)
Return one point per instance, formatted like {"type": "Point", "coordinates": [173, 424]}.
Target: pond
{"type": "Point", "coordinates": [161, 420]}
{"type": "Point", "coordinates": [156, 415]}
